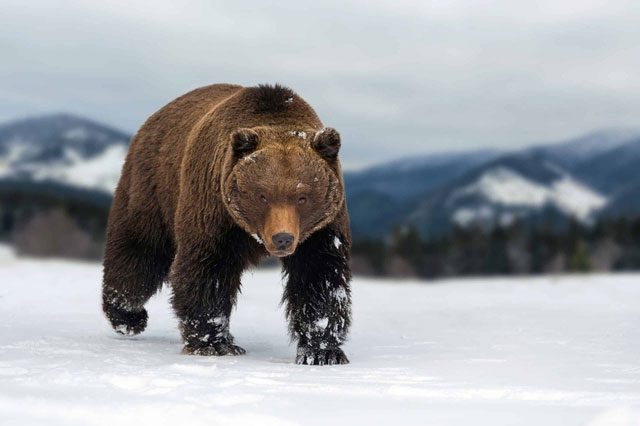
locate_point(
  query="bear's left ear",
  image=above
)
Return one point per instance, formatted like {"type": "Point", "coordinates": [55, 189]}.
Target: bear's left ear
{"type": "Point", "coordinates": [243, 141]}
{"type": "Point", "coordinates": [327, 143]}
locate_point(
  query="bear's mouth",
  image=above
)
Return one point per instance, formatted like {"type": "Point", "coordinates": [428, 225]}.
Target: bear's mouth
{"type": "Point", "coordinates": [281, 253]}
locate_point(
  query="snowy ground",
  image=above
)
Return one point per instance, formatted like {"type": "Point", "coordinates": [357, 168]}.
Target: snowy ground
{"type": "Point", "coordinates": [541, 351]}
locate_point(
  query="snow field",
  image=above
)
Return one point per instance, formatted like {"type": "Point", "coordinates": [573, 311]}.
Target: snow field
{"type": "Point", "coordinates": [547, 350]}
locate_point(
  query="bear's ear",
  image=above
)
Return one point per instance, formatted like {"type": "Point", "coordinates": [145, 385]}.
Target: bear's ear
{"type": "Point", "coordinates": [243, 141]}
{"type": "Point", "coordinates": [327, 143]}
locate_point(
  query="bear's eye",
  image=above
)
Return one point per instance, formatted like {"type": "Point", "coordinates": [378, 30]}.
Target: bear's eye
{"type": "Point", "coordinates": [263, 199]}
{"type": "Point", "coordinates": [302, 200]}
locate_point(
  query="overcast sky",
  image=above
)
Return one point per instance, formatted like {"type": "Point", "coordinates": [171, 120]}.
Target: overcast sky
{"type": "Point", "coordinates": [397, 78]}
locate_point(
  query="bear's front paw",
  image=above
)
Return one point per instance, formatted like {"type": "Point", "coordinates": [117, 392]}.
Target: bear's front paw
{"type": "Point", "coordinates": [313, 356]}
{"type": "Point", "coordinates": [217, 349]}
{"type": "Point", "coordinates": [126, 322]}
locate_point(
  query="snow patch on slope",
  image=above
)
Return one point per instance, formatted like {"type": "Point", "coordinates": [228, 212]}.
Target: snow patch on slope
{"type": "Point", "coordinates": [77, 133]}
{"type": "Point", "coordinates": [575, 198]}
{"type": "Point", "coordinates": [465, 216]}
{"type": "Point", "coordinates": [506, 187]}
{"type": "Point", "coordinates": [101, 171]}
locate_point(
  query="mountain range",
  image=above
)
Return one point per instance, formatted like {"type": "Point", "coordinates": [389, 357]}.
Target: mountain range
{"type": "Point", "coordinates": [585, 178]}
{"type": "Point", "coordinates": [62, 149]}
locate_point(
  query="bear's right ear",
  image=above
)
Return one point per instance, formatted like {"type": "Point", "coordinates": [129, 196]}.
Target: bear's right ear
{"type": "Point", "coordinates": [243, 141]}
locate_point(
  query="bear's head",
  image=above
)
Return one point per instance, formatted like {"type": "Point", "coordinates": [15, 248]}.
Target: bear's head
{"type": "Point", "coordinates": [281, 185]}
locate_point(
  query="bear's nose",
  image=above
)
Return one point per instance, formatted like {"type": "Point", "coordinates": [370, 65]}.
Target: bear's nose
{"type": "Point", "coordinates": [282, 240]}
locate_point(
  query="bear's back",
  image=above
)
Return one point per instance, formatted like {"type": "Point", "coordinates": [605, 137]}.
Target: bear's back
{"type": "Point", "coordinates": [167, 129]}
{"type": "Point", "coordinates": [156, 151]}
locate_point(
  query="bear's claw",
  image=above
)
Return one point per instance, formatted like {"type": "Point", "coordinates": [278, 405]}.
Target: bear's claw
{"type": "Point", "coordinates": [216, 349]}
{"type": "Point", "coordinates": [311, 356]}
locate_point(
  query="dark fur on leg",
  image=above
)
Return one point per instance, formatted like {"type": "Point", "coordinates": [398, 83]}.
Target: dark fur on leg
{"type": "Point", "coordinates": [134, 270]}
{"type": "Point", "coordinates": [208, 335]}
{"type": "Point", "coordinates": [318, 298]}
{"type": "Point", "coordinates": [206, 282]}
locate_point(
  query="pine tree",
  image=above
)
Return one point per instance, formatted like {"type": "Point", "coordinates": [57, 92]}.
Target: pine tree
{"type": "Point", "coordinates": [579, 259]}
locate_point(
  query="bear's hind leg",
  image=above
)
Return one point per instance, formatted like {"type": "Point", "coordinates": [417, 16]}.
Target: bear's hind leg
{"type": "Point", "coordinates": [134, 270]}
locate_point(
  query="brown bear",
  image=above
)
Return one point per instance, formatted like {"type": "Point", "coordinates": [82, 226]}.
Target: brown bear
{"type": "Point", "coordinates": [213, 182]}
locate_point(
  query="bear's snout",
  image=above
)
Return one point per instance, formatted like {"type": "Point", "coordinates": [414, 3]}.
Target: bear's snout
{"type": "Point", "coordinates": [282, 230]}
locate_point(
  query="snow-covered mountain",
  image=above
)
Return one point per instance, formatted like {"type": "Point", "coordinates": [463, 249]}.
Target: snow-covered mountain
{"type": "Point", "coordinates": [584, 178]}
{"type": "Point", "coordinates": [407, 177]}
{"type": "Point", "coordinates": [378, 196]}
{"type": "Point", "coordinates": [510, 188]}
{"type": "Point", "coordinates": [506, 187]}
{"type": "Point", "coordinates": [591, 176]}
{"type": "Point", "coordinates": [62, 149]}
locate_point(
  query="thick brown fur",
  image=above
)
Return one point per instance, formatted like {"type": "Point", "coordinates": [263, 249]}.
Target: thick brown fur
{"type": "Point", "coordinates": [210, 183]}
